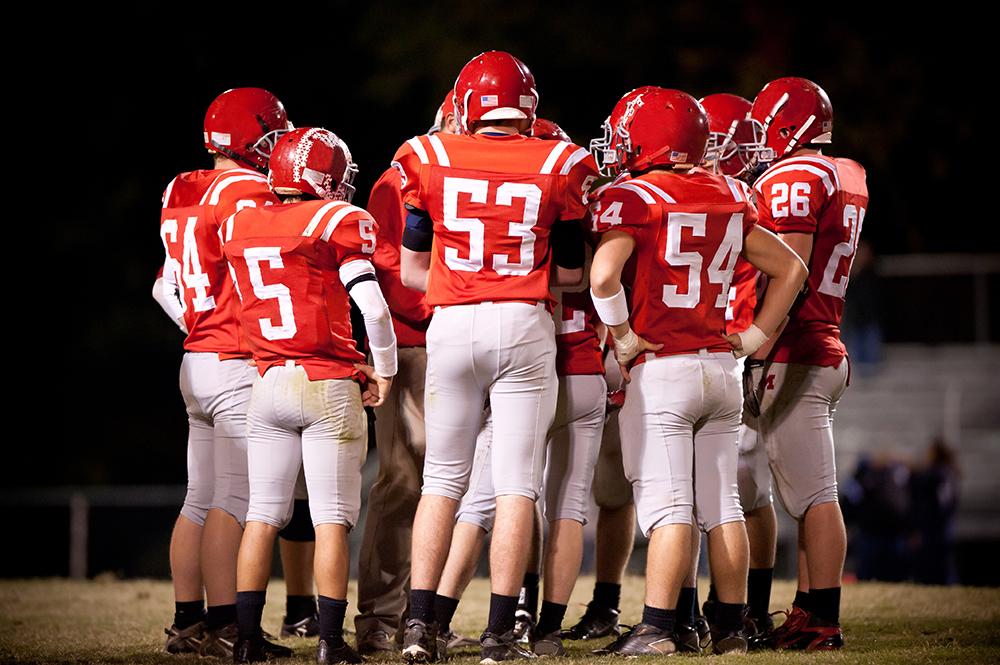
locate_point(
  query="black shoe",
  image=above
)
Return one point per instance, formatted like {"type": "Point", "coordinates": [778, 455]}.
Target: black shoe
{"type": "Point", "coordinates": [219, 643]}
{"type": "Point", "coordinates": [494, 648]}
{"type": "Point", "coordinates": [375, 641]}
{"type": "Point", "coordinates": [185, 640]}
{"type": "Point", "coordinates": [548, 645]}
{"type": "Point", "coordinates": [258, 650]}
{"type": "Point", "coordinates": [687, 638]}
{"type": "Point", "coordinates": [643, 639]}
{"type": "Point", "coordinates": [758, 632]}
{"type": "Point", "coordinates": [327, 655]}
{"type": "Point", "coordinates": [308, 627]}
{"type": "Point", "coordinates": [708, 611]}
{"type": "Point", "coordinates": [724, 642]}
{"type": "Point", "coordinates": [598, 621]}
{"type": "Point", "coordinates": [420, 642]}
{"type": "Point", "coordinates": [704, 632]}
{"type": "Point", "coordinates": [524, 626]}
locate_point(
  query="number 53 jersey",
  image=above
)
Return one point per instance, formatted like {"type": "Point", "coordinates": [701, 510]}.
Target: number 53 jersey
{"type": "Point", "coordinates": [826, 198]}
{"type": "Point", "coordinates": [493, 200]}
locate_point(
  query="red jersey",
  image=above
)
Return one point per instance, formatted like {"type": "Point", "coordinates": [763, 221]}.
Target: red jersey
{"type": "Point", "coordinates": [287, 261]}
{"type": "Point", "coordinates": [826, 198]}
{"type": "Point", "coordinates": [410, 313]}
{"type": "Point", "coordinates": [493, 200]}
{"type": "Point", "coordinates": [194, 206]}
{"type": "Point", "coordinates": [578, 349]}
{"type": "Point", "coordinates": [688, 230]}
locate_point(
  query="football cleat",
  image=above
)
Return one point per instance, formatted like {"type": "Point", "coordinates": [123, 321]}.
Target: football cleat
{"type": "Point", "coordinates": [258, 650]}
{"type": "Point", "coordinates": [642, 640]}
{"type": "Point", "coordinates": [459, 641]}
{"type": "Point", "coordinates": [495, 648]}
{"type": "Point", "coordinates": [687, 638]}
{"type": "Point", "coordinates": [811, 634]}
{"type": "Point", "coordinates": [342, 653]}
{"type": "Point", "coordinates": [704, 632]}
{"type": "Point", "coordinates": [726, 642]}
{"type": "Point", "coordinates": [219, 643]}
{"type": "Point", "coordinates": [186, 640]}
{"type": "Point", "coordinates": [598, 621]}
{"type": "Point", "coordinates": [376, 641]}
{"type": "Point", "coordinates": [308, 627]}
{"type": "Point", "coordinates": [420, 642]}
{"type": "Point", "coordinates": [757, 631]}
{"type": "Point", "coordinates": [524, 626]}
{"type": "Point", "coordinates": [548, 645]}
{"type": "Point", "coordinates": [793, 619]}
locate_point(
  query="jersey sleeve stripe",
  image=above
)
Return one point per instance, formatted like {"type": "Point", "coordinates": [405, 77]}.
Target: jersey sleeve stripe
{"type": "Point", "coordinates": [351, 270]}
{"type": "Point", "coordinates": [216, 190]}
{"type": "Point", "coordinates": [336, 219]}
{"type": "Point", "coordinates": [230, 221]}
{"type": "Point", "coordinates": [318, 217]}
{"type": "Point", "coordinates": [167, 192]}
{"type": "Point", "coordinates": [439, 151]}
{"type": "Point", "coordinates": [659, 192]}
{"type": "Point", "coordinates": [737, 194]}
{"type": "Point", "coordinates": [550, 161]}
{"type": "Point", "coordinates": [819, 162]}
{"type": "Point", "coordinates": [578, 156]}
{"type": "Point", "coordinates": [418, 149]}
{"type": "Point", "coordinates": [642, 193]}
{"type": "Point", "coordinates": [824, 176]}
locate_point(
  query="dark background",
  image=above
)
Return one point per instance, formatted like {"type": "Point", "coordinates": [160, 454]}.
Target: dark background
{"type": "Point", "coordinates": [95, 366]}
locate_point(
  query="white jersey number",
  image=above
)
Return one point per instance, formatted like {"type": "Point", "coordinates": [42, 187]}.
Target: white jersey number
{"type": "Point", "coordinates": [792, 199]}
{"type": "Point", "coordinates": [506, 193]}
{"type": "Point", "coordinates": [831, 285]}
{"type": "Point", "coordinates": [188, 272]}
{"type": "Point", "coordinates": [285, 328]}
{"type": "Point", "coordinates": [720, 269]}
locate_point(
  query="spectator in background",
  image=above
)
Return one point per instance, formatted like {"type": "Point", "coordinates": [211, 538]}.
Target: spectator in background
{"type": "Point", "coordinates": [877, 504]}
{"type": "Point", "coordinates": [861, 328]}
{"type": "Point", "coordinates": [934, 492]}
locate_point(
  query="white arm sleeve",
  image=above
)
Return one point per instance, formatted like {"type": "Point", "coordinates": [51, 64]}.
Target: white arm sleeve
{"type": "Point", "coordinates": [378, 323]}
{"type": "Point", "coordinates": [166, 293]}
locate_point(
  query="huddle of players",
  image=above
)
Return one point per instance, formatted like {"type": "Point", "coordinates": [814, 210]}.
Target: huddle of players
{"type": "Point", "coordinates": [489, 210]}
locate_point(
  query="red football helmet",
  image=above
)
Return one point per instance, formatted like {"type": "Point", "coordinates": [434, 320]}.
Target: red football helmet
{"type": "Point", "coordinates": [548, 131]}
{"type": "Point", "coordinates": [494, 86]}
{"type": "Point", "coordinates": [735, 140]}
{"type": "Point", "coordinates": [447, 106]}
{"type": "Point", "coordinates": [661, 127]}
{"type": "Point", "coordinates": [314, 162]}
{"type": "Point", "coordinates": [606, 149]}
{"type": "Point", "coordinates": [794, 112]}
{"type": "Point", "coordinates": [243, 124]}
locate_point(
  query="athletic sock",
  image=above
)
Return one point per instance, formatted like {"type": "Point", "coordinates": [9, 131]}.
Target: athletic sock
{"type": "Point", "coordinates": [759, 591]}
{"type": "Point", "coordinates": [298, 608]}
{"type": "Point", "coordinates": [249, 610]}
{"type": "Point", "coordinates": [697, 602]}
{"type": "Point", "coordinates": [607, 594]}
{"type": "Point", "coordinates": [825, 604]}
{"type": "Point", "coordinates": [712, 595]}
{"type": "Point", "coordinates": [687, 606]}
{"type": "Point", "coordinates": [802, 600]}
{"type": "Point", "coordinates": [444, 611]}
{"type": "Point", "coordinates": [188, 613]}
{"type": "Point", "coordinates": [502, 609]}
{"type": "Point", "coordinates": [331, 620]}
{"type": "Point", "coordinates": [662, 619]}
{"type": "Point", "coordinates": [529, 594]}
{"type": "Point", "coordinates": [728, 616]}
{"type": "Point", "coordinates": [422, 605]}
{"type": "Point", "coordinates": [551, 618]}
{"type": "Point", "coordinates": [220, 616]}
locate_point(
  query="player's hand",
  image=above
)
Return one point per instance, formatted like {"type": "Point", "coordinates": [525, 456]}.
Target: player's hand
{"type": "Point", "coordinates": [627, 347]}
{"type": "Point", "coordinates": [377, 388]}
{"type": "Point", "coordinates": [747, 342]}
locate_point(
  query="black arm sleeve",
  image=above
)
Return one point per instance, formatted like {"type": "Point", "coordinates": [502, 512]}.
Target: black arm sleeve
{"type": "Point", "coordinates": [567, 244]}
{"type": "Point", "coordinates": [418, 236]}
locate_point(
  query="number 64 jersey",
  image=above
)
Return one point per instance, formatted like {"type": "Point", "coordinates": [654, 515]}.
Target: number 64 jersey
{"type": "Point", "coordinates": [827, 198]}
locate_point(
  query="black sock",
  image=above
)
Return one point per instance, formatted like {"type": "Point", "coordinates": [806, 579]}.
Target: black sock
{"type": "Point", "coordinates": [298, 608]}
{"type": "Point", "coordinates": [220, 616]}
{"type": "Point", "coordinates": [825, 603]}
{"type": "Point", "coordinates": [728, 616]}
{"type": "Point", "coordinates": [188, 613]}
{"type": "Point", "coordinates": [712, 595]}
{"type": "Point", "coordinates": [249, 610]}
{"type": "Point", "coordinates": [331, 620]}
{"type": "Point", "coordinates": [802, 600]}
{"type": "Point", "coordinates": [551, 618]}
{"type": "Point", "coordinates": [444, 611]}
{"type": "Point", "coordinates": [607, 594]}
{"type": "Point", "coordinates": [662, 619]}
{"type": "Point", "coordinates": [422, 605]}
{"type": "Point", "coordinates": [759, 591]}
{"type": "Point", "coordinates": [529, 594]}
{"type": "Point", "coordinates": [687, 606]}
{"type": "Point", "coordinates": [502, 609]}
{"type": "Point", "coordinates": [697, 602]}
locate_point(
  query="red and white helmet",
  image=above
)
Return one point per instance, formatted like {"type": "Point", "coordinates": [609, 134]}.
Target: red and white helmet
{"type": "Point", "coordinates": [661, 127]}
{"type": "Point", "coordinates": [735, 140]}
{"type": "Point", "coordinates": [243, 124]}
{"type": "Point", "coordinates": [447, 106]}
{"type": "Point", "coordinates": [548, 131]}
{"type": "Point", "coordinates": [312, 161]}
{"type": "Point", "coordinates": [494, 86]}
{"type": "Point", "coordinates": [794, 112]}
{"type": "Point", "coordinates": [606, 150]}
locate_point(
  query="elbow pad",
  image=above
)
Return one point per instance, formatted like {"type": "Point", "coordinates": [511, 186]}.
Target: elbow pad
{"type": "Point", "coordinates": [418, 236]}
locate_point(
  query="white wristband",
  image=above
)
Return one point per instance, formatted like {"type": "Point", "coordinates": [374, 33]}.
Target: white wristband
{"type": "Point", "coordinates": [751, 339]}
{"type": "Point", "coordinates": [614, 310]}
{"type": "Point", "coordinates": [626, 347]}
{"type": "Point", "coordinates": [384, 360]}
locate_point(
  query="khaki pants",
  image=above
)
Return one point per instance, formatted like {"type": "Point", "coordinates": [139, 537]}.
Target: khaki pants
{"type": "Point", "coordinates": [384, 561]}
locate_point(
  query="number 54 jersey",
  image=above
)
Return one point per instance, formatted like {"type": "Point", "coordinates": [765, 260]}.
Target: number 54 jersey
{"type": "Point", "coordinates": [688, 230]}
{"type": "Point", "coordinates": [288, 263]}
{"type": "Point", "coordinates": [493, 200]}
{"type": "Point", "coordinates": [826, 198]}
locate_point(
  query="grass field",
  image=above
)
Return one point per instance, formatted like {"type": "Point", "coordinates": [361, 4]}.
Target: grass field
{"type": "Point", "coordinates": [108, 621]}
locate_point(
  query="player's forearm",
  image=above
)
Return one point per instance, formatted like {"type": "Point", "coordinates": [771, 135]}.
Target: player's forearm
{"type": "Point", "coordinates": [782, 289]}
{"type": "Point", "coordinates": [414, 268]}
{"type": "Point", "coordinates": [566, 276]}
{"type": "Point", "coordinates": [364, 290]}
{"type": "Point", "coordinates": [609, 260]}
{"type": "Point", "coordinates": [166, 296]}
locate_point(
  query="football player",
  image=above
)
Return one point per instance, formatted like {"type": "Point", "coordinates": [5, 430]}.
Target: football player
{"type": "Point", "coordinates": [295, 266]}
{"type": "Point", "coordinates": [680, 419]}
{"type": "Point", "coordinates": [384, 559]}
{"type": "Point", "coordinates": [483, 206]}
{"type": "Point", "coordinates": [817, 205]}
{"type": "Point", "coordinates": [196, 291]}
